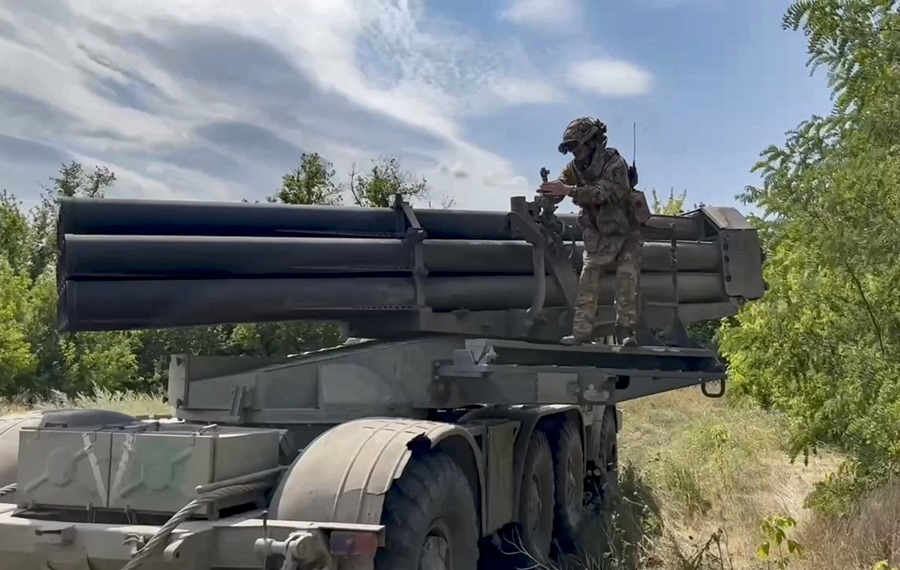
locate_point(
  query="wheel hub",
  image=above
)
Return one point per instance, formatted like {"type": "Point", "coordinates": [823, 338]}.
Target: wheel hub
{"type": "Point", "coordinates": [435, 552]}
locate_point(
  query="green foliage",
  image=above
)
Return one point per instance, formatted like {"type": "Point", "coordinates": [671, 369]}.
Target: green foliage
{"type": "Point", "coordinates": [15, 231]}
{"type": "Point", "coordinates": [313, 182]}
{"type": "Point", "coordinates": [824, 345]}
{"type": "Point", "coordinates": [385, 180]}
{"type": "Point", "coordinates": [310, 183]}
{"type": "Point", "coordinates": [33, 356]}
{"type": "Point", "coordinates": [17, 360]}
{"type": "Point", "coordinates": [673, 206]}
{"type": "Point", "coordinates": [776, 548]}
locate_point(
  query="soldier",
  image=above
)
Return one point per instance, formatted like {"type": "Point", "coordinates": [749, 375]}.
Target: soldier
{"type": "Point", "coordinates": [597, 180]}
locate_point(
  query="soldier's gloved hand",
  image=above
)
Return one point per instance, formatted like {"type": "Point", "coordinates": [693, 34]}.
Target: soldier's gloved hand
{"type": "Point", "coordinates": [556, 189]}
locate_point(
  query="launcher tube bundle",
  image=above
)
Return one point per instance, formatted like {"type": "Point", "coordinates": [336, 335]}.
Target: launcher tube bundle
{"type": "Point", "coordinates": [136, 264]}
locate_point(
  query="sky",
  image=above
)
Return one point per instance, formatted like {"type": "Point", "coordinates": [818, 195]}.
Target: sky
{"type": "Point", "coordinates": [217, 99]}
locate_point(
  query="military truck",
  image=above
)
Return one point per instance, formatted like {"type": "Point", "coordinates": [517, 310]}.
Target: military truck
{"type": "Point", "coordinates": [451, 422]}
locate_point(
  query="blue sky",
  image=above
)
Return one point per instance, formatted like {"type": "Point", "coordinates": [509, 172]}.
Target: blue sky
{"type": "Point", "coordinates": [215, 99]}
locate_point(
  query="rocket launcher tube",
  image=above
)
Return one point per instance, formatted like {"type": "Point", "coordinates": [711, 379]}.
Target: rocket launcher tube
{"type": "Point", "coordinates": [142, 304]}
{"type": "Point", "coordinates": [108, 216]}
{"type": "Point", "coordinates": [203, 257]}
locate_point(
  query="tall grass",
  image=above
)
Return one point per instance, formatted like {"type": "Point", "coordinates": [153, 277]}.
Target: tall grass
{"type": "Point", "coordinates": [870, 534]}
{"type": "Point", "coordinates": [705, 485]}
{"type": "Point", "coordinates": [132, 403]}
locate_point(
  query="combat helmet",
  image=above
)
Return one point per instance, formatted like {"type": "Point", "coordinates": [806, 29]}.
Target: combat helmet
{"type": "Point", "coordinates": [581, 130]}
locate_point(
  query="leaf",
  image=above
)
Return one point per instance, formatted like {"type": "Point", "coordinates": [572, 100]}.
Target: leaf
{"type": "Point", "coordinates": [823, 345]}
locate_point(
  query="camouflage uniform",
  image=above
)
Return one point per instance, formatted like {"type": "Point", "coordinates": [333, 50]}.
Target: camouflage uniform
{"type": "Point", "coordinates": [610, 232]}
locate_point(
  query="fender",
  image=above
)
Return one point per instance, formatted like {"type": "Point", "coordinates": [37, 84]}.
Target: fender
{"type": "Point", "coordinates": [528, 418]}
{"type": "Point", "coordinates": [344, 474]}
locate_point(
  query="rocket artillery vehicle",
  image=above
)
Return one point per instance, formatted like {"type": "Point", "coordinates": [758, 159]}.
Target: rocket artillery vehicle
{"type": "Point", "coordinates": [454, 421]}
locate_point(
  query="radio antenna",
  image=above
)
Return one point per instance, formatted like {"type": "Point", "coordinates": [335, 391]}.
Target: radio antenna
{"type": "Point", "coordinates": [633, 141]}
{"type": "Point", "coordinates": [632, 170]}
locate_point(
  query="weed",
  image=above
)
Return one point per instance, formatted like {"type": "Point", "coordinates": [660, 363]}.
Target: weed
{"type": "Point", "coordinates": [775, 529]}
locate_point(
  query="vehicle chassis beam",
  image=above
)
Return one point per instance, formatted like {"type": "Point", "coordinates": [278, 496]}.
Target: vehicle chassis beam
{"type": "Point", "coordinates": [511, 372]}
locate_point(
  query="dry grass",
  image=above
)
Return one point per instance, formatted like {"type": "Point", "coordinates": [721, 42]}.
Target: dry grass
{"type": "Point", "coordinates": [133, 403]}
{"type": "Point", "coordinates": [712, 471]}
{"type": "Point", "coordinates": [871, 534]}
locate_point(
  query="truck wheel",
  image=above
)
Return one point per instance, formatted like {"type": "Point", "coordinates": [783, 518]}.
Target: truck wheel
{"type": "Point", "coordinates": [568, 462]}
{"type": "Point", "coordinates": [536, 500]}
{"type": "Point", "coordinates": [603, 480]}
{"type": "Point", "coordinates": [429, 518]}
{"type": "Point", "coordinates": [609, 450]}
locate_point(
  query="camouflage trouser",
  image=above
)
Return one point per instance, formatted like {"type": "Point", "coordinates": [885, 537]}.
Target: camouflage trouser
{"type": "Point", "coordinates": [627, 261]}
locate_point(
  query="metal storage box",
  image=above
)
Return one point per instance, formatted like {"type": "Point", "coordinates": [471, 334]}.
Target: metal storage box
{"type": "Point", "coordinates": [150, 467]}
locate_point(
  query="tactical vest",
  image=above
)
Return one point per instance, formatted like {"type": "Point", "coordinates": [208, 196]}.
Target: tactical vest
{"type": "Point", "coordinates": [636, 207]}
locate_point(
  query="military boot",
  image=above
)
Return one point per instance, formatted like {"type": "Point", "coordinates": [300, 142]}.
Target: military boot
{"type": "Point", "coordinates": [626, 336]}
{"type": "Point", "coordinates": [572, 340]}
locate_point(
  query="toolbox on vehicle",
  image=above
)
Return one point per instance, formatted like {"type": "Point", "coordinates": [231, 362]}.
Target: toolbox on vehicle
{"type": "Point", "coordinates": [148, 467]}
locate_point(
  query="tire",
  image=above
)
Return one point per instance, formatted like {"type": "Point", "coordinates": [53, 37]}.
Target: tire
{"type": "Point", "coordinates": [568, 464]}
{"type": "Point", "coordinates": [537, 498]}
{"type": "Point", "coordinates": [609, 457]}
{"type": "Point", "coordinates": [602, 485]}
{"type": "Point", "coordinates": [602, 481]}
{"type": "Point", "coordinates": [430, 509]}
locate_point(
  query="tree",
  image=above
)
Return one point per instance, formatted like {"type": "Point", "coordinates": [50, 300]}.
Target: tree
{"type": "Point", "coordinates": [310, 183]}
{"type": "Point", "coordinates": [33, 356]}
{"type": "Point", "coordinates": [824, 344]}
{"type": "Point", "coordinates": [17, 359]}
{"type": "Point", "coordinates": [15, 231]}
{"type": "Point", "coordinates": [71, 181]}
{"type": "Point", "coordinates": [386, 179]}
{"type": "Point", "coordinates": [674, 204]}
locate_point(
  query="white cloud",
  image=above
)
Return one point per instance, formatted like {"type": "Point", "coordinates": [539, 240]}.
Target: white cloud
{"type": "Point", "coordinates": [541, 13]}
{"type": "Point", "coordinates": [609, 77]}
{"type": "Point", "coordinates": [516, 91]}
{"type": "Point", "coordinates": [119, 86]}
